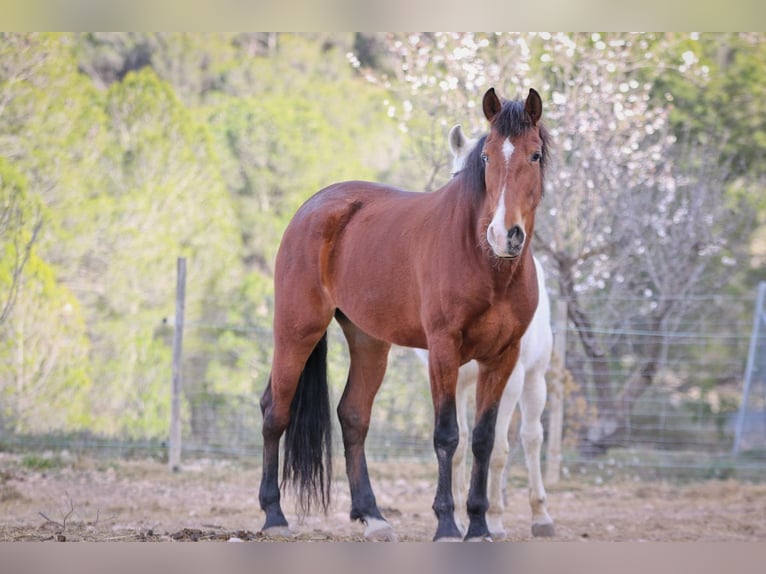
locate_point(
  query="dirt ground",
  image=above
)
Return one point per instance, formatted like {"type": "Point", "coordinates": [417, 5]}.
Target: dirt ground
{"type": "Point", "coordinates": [68, 498]}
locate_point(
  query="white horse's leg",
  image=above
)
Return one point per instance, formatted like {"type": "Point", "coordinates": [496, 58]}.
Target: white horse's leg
{"type": "Point", "coordinates": [532, 404]}
{"type": "Point", "coordinates": [466, 379]}
{"type": "Point", "coordinates": [500, 450]}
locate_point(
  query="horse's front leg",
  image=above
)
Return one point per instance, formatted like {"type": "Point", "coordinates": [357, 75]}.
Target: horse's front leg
{"type": "Point", "coordinates": [489, 391]}
{"type": "Point", "coordinates": [532, 405]}
{"type": "Point", "coordinates": [443, 364]}
{"type": "Point", "coordinates": [499, 459]}
{"type": "Point", "coordinates": [465, 383]}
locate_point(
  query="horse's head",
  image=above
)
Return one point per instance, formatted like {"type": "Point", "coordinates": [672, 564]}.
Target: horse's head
{"type": "Point", "coordinates": [460, 146]}
{"type": "Point", "coordinates": [513, 157]}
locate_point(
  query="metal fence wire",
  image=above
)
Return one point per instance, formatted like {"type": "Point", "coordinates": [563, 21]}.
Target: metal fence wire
{"type": "Point", "coordinates": [703, 415]}
{"type": "Point", "coordinates": [685, 421]}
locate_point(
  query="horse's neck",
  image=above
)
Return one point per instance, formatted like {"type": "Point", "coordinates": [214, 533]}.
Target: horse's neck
{"type": "Point", "coordinates": [460, 214]}
{"type": "Point", "coordinates": [461, 210]}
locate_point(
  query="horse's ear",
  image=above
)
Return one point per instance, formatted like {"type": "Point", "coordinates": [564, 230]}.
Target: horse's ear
{"type": "Point", "coordinates": [457, 140]}
{"type": "Point", "coordinates": [492, 104]}
{"type": "Point", "coordinates": [534, 106]}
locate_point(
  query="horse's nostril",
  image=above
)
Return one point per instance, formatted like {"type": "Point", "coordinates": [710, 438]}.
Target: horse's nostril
{"type": "Point", "coordinates": [516, 236]}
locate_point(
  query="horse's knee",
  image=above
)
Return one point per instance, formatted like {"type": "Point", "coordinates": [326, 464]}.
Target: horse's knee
{"type": "Point", "coordinates": [497, 463]}
{"type": "Point", "coordinates": [532, 435]}
{"type": "Point", "coordinates": [500, 448]}
{"type": "Point", "coordinates": [534, 396]}
{"type": "Point", "coordinates": [446, 440]}
{"type": "Point", "coordinates": [446, 432]}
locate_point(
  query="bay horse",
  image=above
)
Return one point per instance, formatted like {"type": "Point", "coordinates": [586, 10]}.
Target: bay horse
{"type": "Point", "coordinates": [526, 387]}
{"type": "Point", "coordinates": [450, 271]}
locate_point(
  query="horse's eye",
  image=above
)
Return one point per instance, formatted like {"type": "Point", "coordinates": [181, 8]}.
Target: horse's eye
{"type": "Point", "coordinates": [485, 158]}
{"type": "Point", "coordinates": [537, 156]}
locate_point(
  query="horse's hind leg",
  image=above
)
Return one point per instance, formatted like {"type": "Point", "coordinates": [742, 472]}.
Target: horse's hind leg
{"type": "Point", "coordinates": [532, 404]}
{"type": "Point", "coordinates": [291, 354]}
{"type": "Point", "coordinates": [269, 496]}
{"type": "Point", "coordinates": [369, 357]}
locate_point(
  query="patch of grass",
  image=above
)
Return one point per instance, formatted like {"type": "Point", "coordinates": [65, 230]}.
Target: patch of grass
{"type": "Point", "coordinates": [41, 463]}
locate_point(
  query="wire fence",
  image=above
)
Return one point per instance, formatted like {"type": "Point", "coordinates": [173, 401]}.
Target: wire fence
{"type": "Point", "coordinates": [683, 424]}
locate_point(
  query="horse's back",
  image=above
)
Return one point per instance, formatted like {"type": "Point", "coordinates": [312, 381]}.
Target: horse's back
{"type": "Point", "coordinates": [326, 215]}
{"type": "Point", "coordinates": [353, 194]}
{"type": "Point", "coordinates": [354, 244]}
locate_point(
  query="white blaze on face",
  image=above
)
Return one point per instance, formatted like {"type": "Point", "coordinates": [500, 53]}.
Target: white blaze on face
{"type": "Point", "coordinates": [507, 150]}
{"type": "Point", "coordinates": [497, 232]}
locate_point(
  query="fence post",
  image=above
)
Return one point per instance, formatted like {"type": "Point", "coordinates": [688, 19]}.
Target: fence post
{"type": "Point", "coordinates": [174, 456]}
{"type": "Point", "coordinates": [759, 331]}
{"type": "Point", "coordinates": [556, 394]}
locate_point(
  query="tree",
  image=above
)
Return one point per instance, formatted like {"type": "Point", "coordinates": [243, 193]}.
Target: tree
{"type": "Point", "coordinates": [434, 81]}
{"type": "Point", "coordinates": [639, 219]}
{"type": "Point", "coordinates": [136, 148]}
{"type": "Point", "coordinates": [19, 220]}
{"type": "Point", "coordinates": [636, 220]}
{"type": "Point", "coordinates": [164, 198]}
{"type": "Point", "coordinates": [45, 381]}
{"type": "Point", "coordinates": [19, 227]}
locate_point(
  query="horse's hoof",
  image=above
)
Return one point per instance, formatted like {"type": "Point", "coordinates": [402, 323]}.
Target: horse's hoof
{"type": "Point", "coordinates": [479, 539]}
{"type": "Point", "coordinates": [448, 539]}
{"type": "Point", "coordinates": [496, 529]}
{"type": "Point", "coordinates": [277, 532]}
{"type": "Point", "coordinates": [500, 534]}
{"type": "Point", "coordinates": [543, 530]}
{"type": "Point", "coordinates": [377, 530]}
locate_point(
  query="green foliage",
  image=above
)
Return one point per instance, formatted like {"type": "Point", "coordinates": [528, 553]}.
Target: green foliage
{"type": "Point", "coordinates": [165, 198]}
{"type": "Point", "coordinates": [151, 154]}
{"type": "Point", "coordinates": [41, 463]}
{"type": "Point", "coordinates": [16, 232]}
{"type": "Point", "coordinates": [137, 148]}
{"type": "Point", "coordinates": [718, 93]}
{"type": "Point", "coordinates": [44, 368]}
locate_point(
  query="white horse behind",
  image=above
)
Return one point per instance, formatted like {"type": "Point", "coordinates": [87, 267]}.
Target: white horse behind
{"type": "Point", "coordinates": [526, 386]}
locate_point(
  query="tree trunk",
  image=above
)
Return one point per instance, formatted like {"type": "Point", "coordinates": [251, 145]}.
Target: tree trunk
{"type": "Point", "coordinates": [611, 427]}
{"type": "Point", "coordinates": [602, 397]}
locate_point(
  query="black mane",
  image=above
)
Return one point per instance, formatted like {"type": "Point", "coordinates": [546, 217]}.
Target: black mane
{"type": "Point", "coordinates": [512, 121]}
{"type": "Point", "coordinates": [473, 169]}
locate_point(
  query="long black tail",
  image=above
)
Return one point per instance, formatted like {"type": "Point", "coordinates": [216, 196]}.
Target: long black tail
{"type": "Point", "coordinates": [308, 437]}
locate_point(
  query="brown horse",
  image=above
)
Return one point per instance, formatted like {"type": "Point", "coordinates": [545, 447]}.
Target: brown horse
{"type": "Point", "coordinates": [450, 271]}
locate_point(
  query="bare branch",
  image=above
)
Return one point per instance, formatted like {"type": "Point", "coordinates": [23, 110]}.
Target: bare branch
{"type": "Point", "coordinates": [51, 520]}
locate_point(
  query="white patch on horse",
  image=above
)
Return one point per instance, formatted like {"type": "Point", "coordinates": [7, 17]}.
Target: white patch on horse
{"type": "Point", "coordinates": [507, 150]}
{"type": "Point", "coordinates": [377, 529]}
{"type": "Point", "coordinates": [497, 234]}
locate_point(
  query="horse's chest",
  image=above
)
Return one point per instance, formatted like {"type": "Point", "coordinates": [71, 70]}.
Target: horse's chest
{"type": "Point", "coordinates": [491, 331]}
